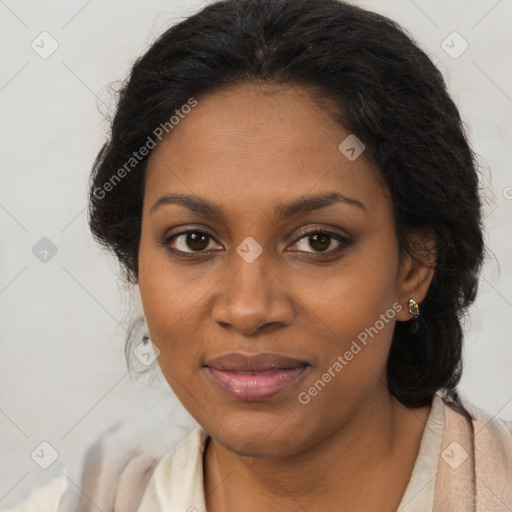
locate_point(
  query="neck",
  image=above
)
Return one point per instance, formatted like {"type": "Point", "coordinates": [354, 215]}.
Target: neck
{"type": "Point", "coordinates": [354, 454]}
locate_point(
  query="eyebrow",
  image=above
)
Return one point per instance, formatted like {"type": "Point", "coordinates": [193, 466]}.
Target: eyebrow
{"type": "Point", "coordinates": [300, 205]}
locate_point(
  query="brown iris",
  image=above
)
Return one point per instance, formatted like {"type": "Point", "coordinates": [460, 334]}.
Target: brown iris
{"type": "Point", "coordinates": [319, 241]}
{"type": "Point", "coordinates": [197, 241]}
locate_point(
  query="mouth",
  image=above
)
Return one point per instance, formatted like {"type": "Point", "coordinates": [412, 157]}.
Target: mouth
{"type": "Point", "coordinates": [255, 377]}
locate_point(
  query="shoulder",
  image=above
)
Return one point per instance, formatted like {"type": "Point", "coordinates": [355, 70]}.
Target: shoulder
{"type": "Point", "coordinates": [486, 426]}
{"type": "Point", "coordinates": [44, 498]}
{"type": "Point", "coordinates": [117, 465]}
{"type": "Point", "coordinates": [494, 426]}
{"type": "Point", "coordinates": [491, 452]}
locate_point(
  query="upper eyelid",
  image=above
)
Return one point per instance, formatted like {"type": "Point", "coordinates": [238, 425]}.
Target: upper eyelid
{"type": "Point", "coordinates": [306, 232]}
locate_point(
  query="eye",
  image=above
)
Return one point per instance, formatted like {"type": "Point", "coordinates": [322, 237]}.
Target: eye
{"type": "Point", "coordinates": [189, 242]}
{"type": "Point", "coordinates": [322, 242]}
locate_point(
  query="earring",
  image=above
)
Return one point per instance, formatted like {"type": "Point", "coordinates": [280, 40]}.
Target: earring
{"type": "Point", "coordinates": [414, 310]}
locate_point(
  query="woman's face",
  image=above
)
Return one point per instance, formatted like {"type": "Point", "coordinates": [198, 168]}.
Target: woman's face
{"type": "Point", "coordinates": [252, 277]}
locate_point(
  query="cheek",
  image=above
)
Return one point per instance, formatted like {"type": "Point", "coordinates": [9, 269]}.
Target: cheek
{"type": "Point", "coordinates": [359, 332]}
{"type": "Point", "coordinates": [164, 293]}
{"type": "Point", "coordinates": [353, 361]}
{"type": "Point", "coordinates": [174, 296]}
{"type": "Point", "coordinates": [356, 309]}
{"type": "Point", "coordinates": [162, 296]}
{"type": "Point", "coordinates": [169, 314]}
{"type": "Point", "coordinates": [369, 284]}
{"type": "Point", "coordinates": [354, 295]}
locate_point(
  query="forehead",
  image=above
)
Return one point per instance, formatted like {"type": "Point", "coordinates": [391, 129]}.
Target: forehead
{"type": "Point", "coordinates": [256, 145]}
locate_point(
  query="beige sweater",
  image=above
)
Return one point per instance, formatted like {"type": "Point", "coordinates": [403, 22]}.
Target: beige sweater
{"type": "Point", "coordinates": [464, 465]}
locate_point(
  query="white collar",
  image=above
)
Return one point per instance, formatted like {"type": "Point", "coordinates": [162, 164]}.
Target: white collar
{"type": "Point", "coordinates": [177, 480]}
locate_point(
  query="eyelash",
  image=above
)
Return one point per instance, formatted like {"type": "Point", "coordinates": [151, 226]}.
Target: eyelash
{"type": "Point", "coordinates": [343, 241]}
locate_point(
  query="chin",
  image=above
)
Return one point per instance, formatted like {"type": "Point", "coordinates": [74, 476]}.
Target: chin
{"type": "Point", "coordinates": [258, 434]}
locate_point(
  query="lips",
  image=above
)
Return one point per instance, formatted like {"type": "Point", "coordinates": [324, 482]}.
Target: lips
{"type": "Point", "coordinates": [263, 362]}
{"type": "Point", "coordinates": [254, 377]}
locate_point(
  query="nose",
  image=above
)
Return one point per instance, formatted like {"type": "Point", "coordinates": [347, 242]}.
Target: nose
{"type": "Point", "coordinates": [253, 297]}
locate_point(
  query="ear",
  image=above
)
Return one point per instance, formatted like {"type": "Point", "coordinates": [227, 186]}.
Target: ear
{"type": "Point", "coordinates": [416, 274]}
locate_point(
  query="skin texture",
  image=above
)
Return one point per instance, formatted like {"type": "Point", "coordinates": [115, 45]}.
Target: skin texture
{"type": "Point", "coordinates": [247, 149]}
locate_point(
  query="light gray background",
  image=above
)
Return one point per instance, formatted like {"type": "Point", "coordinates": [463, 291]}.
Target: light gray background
{"type": "Point", "coordinates": [62, 371]}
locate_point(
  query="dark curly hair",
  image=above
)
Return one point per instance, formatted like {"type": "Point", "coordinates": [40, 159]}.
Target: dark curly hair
{"type": "Point", "coordinates": [380, 85]}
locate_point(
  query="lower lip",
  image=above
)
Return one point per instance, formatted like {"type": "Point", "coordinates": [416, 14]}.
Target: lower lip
{"type": "Point", "coordinates": [251, 387]}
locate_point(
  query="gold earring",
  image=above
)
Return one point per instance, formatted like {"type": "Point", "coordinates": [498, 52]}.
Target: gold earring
{"type": "Point", "coordinates": [414, 309]}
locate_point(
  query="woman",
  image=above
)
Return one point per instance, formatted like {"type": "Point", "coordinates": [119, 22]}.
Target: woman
{"type": "Point", "coordinates": [290, 185]}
